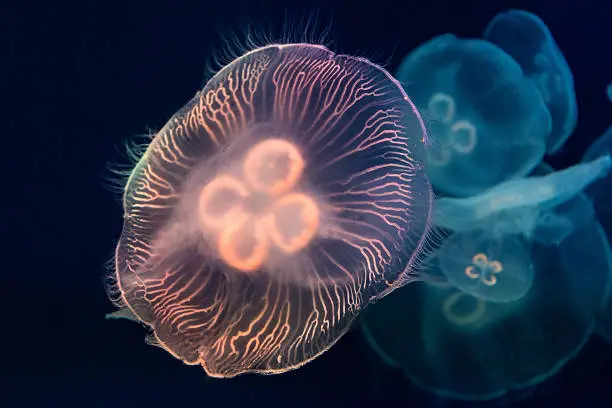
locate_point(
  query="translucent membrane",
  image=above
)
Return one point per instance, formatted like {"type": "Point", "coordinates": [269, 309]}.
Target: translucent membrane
{"type": "Point", "coordinates": [526, 38]}
{"type": "Point", "coordinates": [487, 121]}
{"type": "Point", "coordinates": [273, 207]}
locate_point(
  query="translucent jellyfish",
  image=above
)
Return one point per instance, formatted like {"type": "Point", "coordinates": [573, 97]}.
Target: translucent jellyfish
{"type": "Point", "coordinates": [487, 122]}
{"type": "Point", "coordinates": [491, 267]}
{"type": "Point", "coordinates": [601, 194]}
{"type": "Point", "coordinates": [609, 91]}
{"type": "Point", "coordinates": [521, 206]}
{"type": "Point", "coordinates": [272, 208]}
{"type": "Point", "coordinates": [601, 191]}
{"type": "Point", "coordinates": [535, 309]}
{"type": "Point", "coordinates": [528, 40]}
{"type": "Point", "coordinates": [604, 322]}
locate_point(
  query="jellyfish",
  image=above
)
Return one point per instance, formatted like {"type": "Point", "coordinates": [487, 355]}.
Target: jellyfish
{"type": "Point", "coordinates": [512, 312]}
{"type": "Point", "coordinates": [522, 206]}
{"type": "Point", "coordinates": [601, 191]}
{"type": "Point", "coordinates": [487, 122]}
{"type": "Point", "coordinates": [601, 194]}
{"type": "Point", "coordinates": [609, 91]}
{"type": "Point", "coordinates": [526, 38]}
{"type": "Point", "coordinates": [271, 209]}
{"type": "Point", "coordinates": [488, 266]}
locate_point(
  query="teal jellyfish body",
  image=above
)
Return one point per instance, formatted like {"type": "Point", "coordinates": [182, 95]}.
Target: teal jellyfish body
{"type": "Point", "coordinates": [526, 38]}
{"type": "Point", "coordinates": [522, 206]}
{"type": "Point", "coordinates": [512, 313]}
{"type": "Point", "coordinates": [488, 266]}
{"type": "Point", "coordinates": [601, 194]}
{"type": "Point", "coordinates": [272, 208]}
{"type": "Point", "coordinates": [609, 91]}
{"type": "Point", "coordinates": [601, 191]}
{"type": "Point", "coordinates": [479, 109]}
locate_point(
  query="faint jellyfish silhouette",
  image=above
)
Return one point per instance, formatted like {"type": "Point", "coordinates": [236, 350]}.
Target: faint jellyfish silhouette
{"type": "Point", "coordinates": [520, 206]}
{"type": "Point", "coordinates": [475, 122]}
{"type": "Point", "coordinates": [480, 342]}
{"type": "Point", "coordinates": [600, 193]}
{"type": "Point", "coordinates": [272, 208]}
{"type": "Point", "coordinates": [609, 91]}
{"type": "Point", "coordinates": [526, 38]}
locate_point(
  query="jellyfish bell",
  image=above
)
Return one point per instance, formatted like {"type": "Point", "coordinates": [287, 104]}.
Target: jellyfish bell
{"type": "Point", "coordinates": [600, 193]}
{"type": "Point", "coordinates": [527, 39]}
{"type": "Point", "coordinates": [272, 208]}
{"type": "Point", "coordinates": [484, 129]}
{"type": "Point", "coordinates": [505, 219]}
{"type": "Point", "coordinates": [489, 267]}
{"type": "Point", "coordinates": [454, 344]}
{"type": "Point", "coordinates": [444, 341]}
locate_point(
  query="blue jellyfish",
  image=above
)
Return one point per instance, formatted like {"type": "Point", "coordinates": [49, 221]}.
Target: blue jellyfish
{"type": "Point", "coordinates": [526, 38]}
{"type": "Point", "coordinates": [522, 206]}
{"type": "Point", "coordinates": [479, 109]}
{"type": "Point", "coordinates": [601, 194]}
{"type": "Point", "coordinates": [488, 266]}
{"type": "Point", "coordinates": [609, 91]}
{"type": "Point", "coordinates": [271, 209]}
{"type": "Point", "coordinates": [601, 191]}
{"type": "Point", "coordinates": [529, 308]}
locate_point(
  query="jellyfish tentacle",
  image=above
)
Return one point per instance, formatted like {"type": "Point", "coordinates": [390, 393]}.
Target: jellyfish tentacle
{"type": "Point", "coordinates": [522, 205]}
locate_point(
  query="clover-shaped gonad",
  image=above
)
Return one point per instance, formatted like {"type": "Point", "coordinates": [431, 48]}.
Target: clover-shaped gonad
{"type": "Point", "coordinates": [256, 212]}
{"type": "Point", "coordinates": [484, 269]}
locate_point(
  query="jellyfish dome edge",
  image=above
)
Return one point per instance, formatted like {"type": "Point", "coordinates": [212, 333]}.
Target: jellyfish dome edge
{"type": "Point", "coordinates": [272, 208]}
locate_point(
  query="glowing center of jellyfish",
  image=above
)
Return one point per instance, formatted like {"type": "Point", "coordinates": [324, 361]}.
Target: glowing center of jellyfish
{"type": "Point", "coordinates": [260, 210]}
{"type": "Point", "coordinates": [453, 136]}
{"type": "Point", "coordinates": [484, 269]}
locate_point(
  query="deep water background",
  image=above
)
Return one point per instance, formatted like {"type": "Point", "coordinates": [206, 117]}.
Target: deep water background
{"type": "Point", "coordinates": [78, 78]}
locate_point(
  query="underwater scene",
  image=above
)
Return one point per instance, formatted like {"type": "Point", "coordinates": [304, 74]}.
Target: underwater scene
{"type": "Point", "coordinates": [266, 203]}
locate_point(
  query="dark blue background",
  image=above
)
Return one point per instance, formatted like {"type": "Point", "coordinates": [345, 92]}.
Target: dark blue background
{"type": "Point", "coordinates": [78, 78]}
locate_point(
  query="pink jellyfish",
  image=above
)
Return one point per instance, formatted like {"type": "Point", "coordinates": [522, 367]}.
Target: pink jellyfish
{"type": "Point", "coordinates": [272, 208]}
